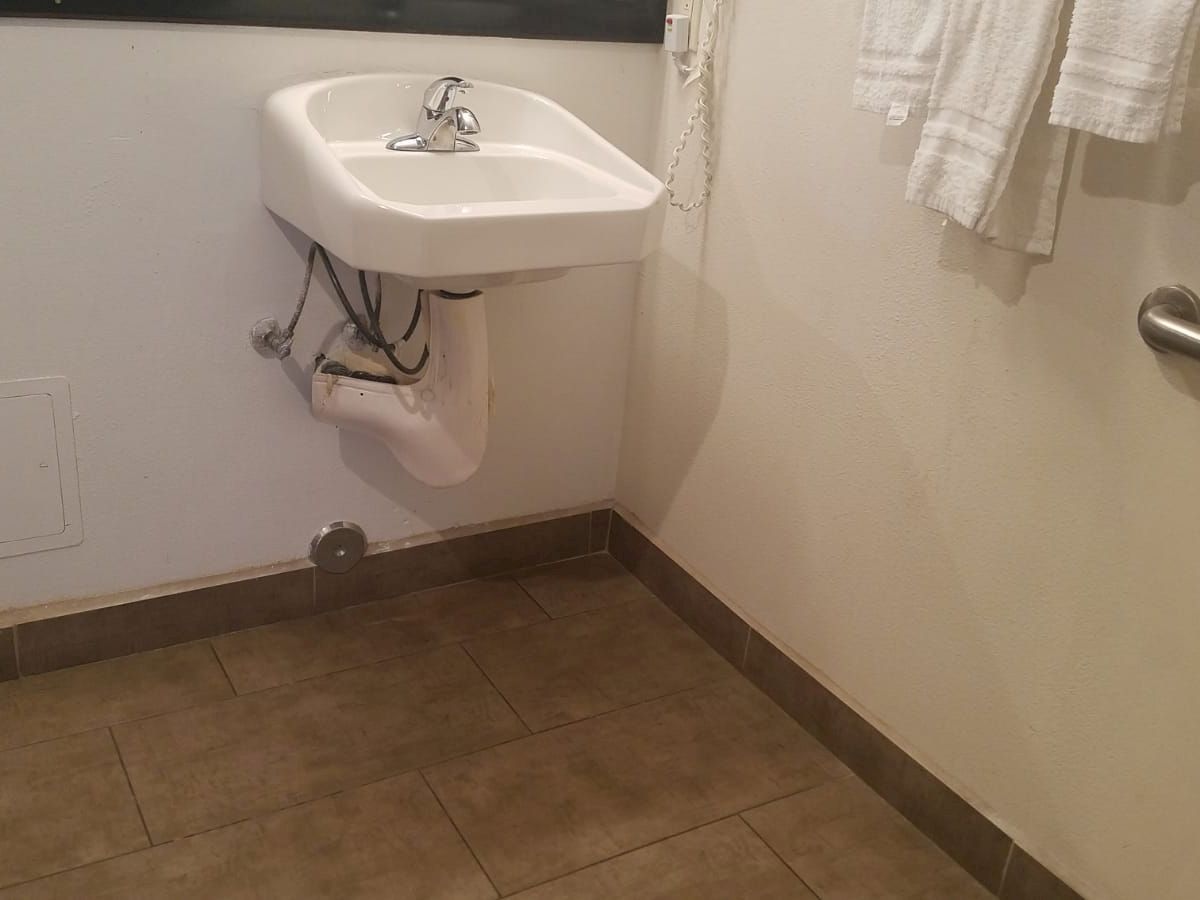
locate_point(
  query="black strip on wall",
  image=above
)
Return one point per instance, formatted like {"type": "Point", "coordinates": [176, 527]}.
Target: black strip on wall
{"type": "Point", "coordinates": [636, 21]}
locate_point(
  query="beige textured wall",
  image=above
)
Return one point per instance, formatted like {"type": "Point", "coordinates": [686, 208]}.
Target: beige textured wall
{"type": "Point", "coordinates": [955, 484]}
{"type": "Point", "coordinates": [135, 254]}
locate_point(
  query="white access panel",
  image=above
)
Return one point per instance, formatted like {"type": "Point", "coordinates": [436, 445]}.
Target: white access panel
{"type": "Point", "coordinates": [39, 483]}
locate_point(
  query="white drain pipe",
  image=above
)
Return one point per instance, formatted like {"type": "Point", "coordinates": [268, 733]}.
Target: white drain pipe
{"type": "Point", "coordinates": [437, 428]}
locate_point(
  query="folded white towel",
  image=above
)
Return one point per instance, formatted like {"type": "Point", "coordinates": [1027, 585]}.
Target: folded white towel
{"type": "Point", "coordinates": [898, 54]}
{"type": "Point", "coordinates": [1126, 71]}
{"type": "Point", "coordinates": [992, 66]}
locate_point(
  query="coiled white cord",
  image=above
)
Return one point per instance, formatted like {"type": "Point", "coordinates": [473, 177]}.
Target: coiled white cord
{"type": "Point", "coordinates": [700, 119]}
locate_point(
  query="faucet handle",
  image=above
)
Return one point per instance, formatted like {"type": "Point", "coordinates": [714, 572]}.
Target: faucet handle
{"type": "Point", "coordinates": [440, 95]}
{"type": "Point", "coordinates": [465, 121]}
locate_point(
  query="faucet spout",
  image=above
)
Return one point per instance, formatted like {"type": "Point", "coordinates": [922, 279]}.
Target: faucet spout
{"type": "Point", "coordinates": [440, 126]}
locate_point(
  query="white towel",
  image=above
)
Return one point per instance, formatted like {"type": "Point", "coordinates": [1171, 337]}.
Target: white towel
{"type": "Point", "coordinates": [1126, 71]}
{"type": "Point", "coordinates": [898, 54]}
{"type": "Point", "coordinates": [1025, 217]}
{"type": "Point", "coordinates": [1183, 70]}
{"type": "Point", "coordinates": [992, 67]}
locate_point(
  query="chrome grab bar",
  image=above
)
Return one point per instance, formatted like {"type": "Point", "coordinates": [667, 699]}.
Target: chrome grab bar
{"type": "Point", "coordinates": [1169, 321]}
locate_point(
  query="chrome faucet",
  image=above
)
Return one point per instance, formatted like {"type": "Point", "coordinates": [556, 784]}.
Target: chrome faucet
{"type": "Point", "coordinates": [440, 125]}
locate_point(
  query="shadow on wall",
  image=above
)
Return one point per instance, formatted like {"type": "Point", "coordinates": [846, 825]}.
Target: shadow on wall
{"type": "Point", "coordinates": [682, 378]}
{"type": "Point", "coordinates": [840, 526]}
{"type": "Point", "coordinates": [1004, 273]}
{"type": "Point", "coordinates": [779, 469]}
{"type": "Point", "coordinates": [1161, 173]}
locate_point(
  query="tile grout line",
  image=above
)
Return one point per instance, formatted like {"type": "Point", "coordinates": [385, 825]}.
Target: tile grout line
{"type": "Point", "coordinates": [95, 862]}
{"type": "Point", "coordinates": [132, 793]}
{"type": "Point", "coordinates": [221, 665]}
{"type": "Point", "coordinates": [466, 753]}
{"type": "Point", "coordinates": [306, 679]}
{"type": "Point", "coordinates": [500, 693]}
{"type": "Point", "coordinates": [776, 854]}
{"type": "Point", "coordinates": [599, 715]}
{"type": "Point", "coordinates": [462, 837]}
{"type": "Point", "coordinates": [314, 594]}
{"type": "Point", "coordinates": [1012, 849]}
{"type": "Point", "coordinates": [504, 573]}
{"type": "Point", "coordinates": [100, 726]}
{"type": "Point", "coordinates": [528, 593]}
{"type": "Point", "coordinates": [661, 840]}
{"type": "Point", "coordinates": [407, 654]}
{"type": "Point", "coordinates": [421, 770]}
{"type": "Point", "coordinates": [730, 815]}
{"type": "Point", "coordinates": [831, 780]}
{"type": "Point", "coordinates": [651, 548]}
{"type": "Point", "coordinates": [550, 617]}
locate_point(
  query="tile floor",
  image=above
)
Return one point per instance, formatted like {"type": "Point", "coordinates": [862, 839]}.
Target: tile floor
{"type": "Point", "coordinates": [555, 734]}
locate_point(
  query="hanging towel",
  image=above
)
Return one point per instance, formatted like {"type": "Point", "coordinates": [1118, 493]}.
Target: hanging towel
{"type": "Point", "coordinates": [1025, 217]}
{"type": "Point", "coordinates": [898, 54]}
{"type": "Point", "coordinates": [1183, 70]}
{"type": "Point", "coordinates": [992, 67]}
{"type": "Point", "coordinates": [1126, 71]}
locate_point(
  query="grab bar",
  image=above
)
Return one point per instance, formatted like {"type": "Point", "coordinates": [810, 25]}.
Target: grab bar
{"type": "Point", "coordinates": [1169, 321]}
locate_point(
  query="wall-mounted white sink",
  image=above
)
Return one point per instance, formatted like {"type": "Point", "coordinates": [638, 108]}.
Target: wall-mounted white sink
{"type": "Point", "coordinates": [545, 193]}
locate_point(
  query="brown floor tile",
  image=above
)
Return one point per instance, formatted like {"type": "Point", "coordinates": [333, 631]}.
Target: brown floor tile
{"type": "Point", "coordinates": [222, 762]}
{"type": "Point", "coordinates": [1028, 879]}
{"type": "Point", "coordinates": [592, 663]}
{"type": "Point", "coordinates": [691, 601]}
{"type": "Point", "coordinates": [386, 840]}
{"type": "Point", "coordinates": [579, 585]}
{"type": "Point", "coordinates": [973, 840]}
{"type": "Point", "coordinates": [133, 687]}
{"type": "Point", "coordinates": [64, 803]}
{"type": "Point", "coordinates": [403, 571]}
{"type": "Point", "coordinates": [112, 631]}
{"type": "Point", "coordinates": [358, 635]}
{"type": "Point", "coordinates": [8, 655]}
{"type": "Point", "coordinates": [722, 861]}
{"type": "Point", "coordinates": [848, 844]}
{"type": "Point", "coordinates": [549, 804]}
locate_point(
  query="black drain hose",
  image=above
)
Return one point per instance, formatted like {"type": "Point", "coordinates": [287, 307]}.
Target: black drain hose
{"type": "Point", "coordinates": [371, 330]}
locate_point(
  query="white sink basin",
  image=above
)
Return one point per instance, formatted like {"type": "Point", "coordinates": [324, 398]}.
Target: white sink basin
{"type": "Point", "coordinates": [544, 193]}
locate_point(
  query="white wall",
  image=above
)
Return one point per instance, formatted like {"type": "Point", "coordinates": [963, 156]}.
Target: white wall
{"type": "Point", "coordinates": [957, 485]}
{"type": "Point", "coordinates": [135, 255]}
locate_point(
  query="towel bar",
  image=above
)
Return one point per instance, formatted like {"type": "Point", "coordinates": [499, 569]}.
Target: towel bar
{"type": "Point", "coordinates": [1169, 321]}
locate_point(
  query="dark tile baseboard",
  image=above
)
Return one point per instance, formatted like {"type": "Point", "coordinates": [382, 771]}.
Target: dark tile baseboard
{"type": "Point", "coordinates": [8, 654]}
{"type": "Point", "coordinates": [395, 572]}
{"type": "Point", "coordinates": [598, 536]}
{"type": "Point", "coordinates": [968, 836]}
{"type": "Point", "coordinates": [57, 642]}
{"type": "Point", "coordinates": [110, 631]}
{"type": "Point", "coordinates": [1028, 879]}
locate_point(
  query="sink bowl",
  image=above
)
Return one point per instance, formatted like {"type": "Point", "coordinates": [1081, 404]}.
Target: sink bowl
{"type": "Point", "coordinates": [544, 194]}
